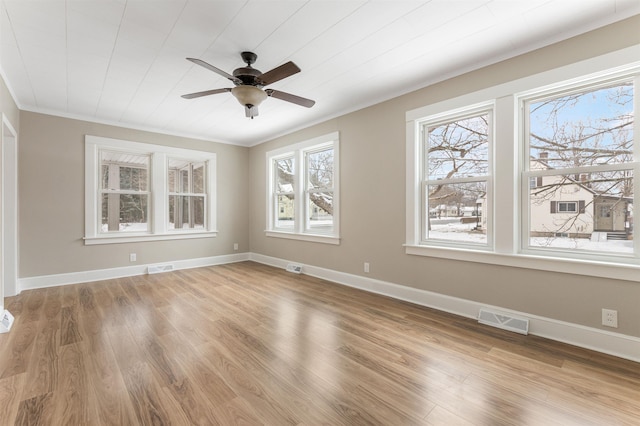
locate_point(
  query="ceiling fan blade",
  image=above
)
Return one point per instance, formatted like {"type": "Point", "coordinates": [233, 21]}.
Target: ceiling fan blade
{"type": "Point", "coordinates": [278, 73]}
{"type": "Point", "coordinates": [205, 93]}
{"type": "Point", "coordinates": [214, 69]}
{"type": "Point", "coordinates": [290, 98]}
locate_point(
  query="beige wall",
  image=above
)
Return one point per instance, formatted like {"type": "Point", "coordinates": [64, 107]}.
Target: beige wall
{"type": "Point", "coordinates": [51, 200]}
{"type": "Point", "coordinates": [372, 155]}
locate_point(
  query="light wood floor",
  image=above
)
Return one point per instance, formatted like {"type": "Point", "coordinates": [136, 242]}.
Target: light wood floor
{"type": "Point", "coordinates": [249, 344]}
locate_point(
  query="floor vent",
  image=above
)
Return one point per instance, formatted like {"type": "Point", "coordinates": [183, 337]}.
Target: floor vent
{"type": "Point", "coordinates": [6, 322]}
{"type": "Point", "coordinates": [292, 267]}
{"type": "Point", "coordinates": [504, 321]}
{"type": "Point", "coordinates": [156, 269]}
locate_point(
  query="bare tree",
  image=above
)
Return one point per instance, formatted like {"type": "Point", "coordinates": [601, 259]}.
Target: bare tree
{"type": "Point", "coordinates": [457, 149]}
{"type": "Point", "coordinates": [320, 175]}
{"type": "Point", "coordinates": [579, 131]}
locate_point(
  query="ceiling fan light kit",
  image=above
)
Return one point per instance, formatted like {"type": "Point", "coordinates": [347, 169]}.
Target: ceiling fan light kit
{"type": "Point", "coordinates": [250, 97]}
{"type": "Point", "coordinates": [249, 83]}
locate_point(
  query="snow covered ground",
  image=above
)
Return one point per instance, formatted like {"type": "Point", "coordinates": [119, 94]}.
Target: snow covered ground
{"type": "Point", "coordinates": [452, 230]}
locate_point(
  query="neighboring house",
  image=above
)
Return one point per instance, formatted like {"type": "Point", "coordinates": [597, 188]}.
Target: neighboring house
{"type": "Point", "coordinates": [286, 210]}
{"type": "Point", "coordinates": [468, 211]}
{"type": "Point", "coordinates": [444, 210]}
{"type": "Point", "coordinates": [565, 206]}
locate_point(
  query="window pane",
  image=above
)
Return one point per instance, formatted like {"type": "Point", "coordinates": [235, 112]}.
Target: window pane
{"type": "Point", "coordinates": [286, 212]}
{"type": "Point", "coordinates": [173, 180]}
{"type": "Point", "coordinates": [320, 209]}
{"type": "Point", "coordinates": [133, 179]}
{"type": "Point", "coordinates": [583, 129]}
{"type": "Point", "coordinates": [457, 212]}
{"type": "Point", "coordinates": [104, 176]}
{"type": "Point", "coordinates": [183, 179]}
{"type": "Point", "coordinates": [175, 175]}
{"type": "Point", "coordinates": [458, 149]}
{"type": "Point", "coordinates": [124, 171]}
{"type": "Point", "coordinates": [592, 211]}
{"type": "Point", "coordinates": [186, 176]}
{"type": "Point", "coordinates": [320, 169]}
{"type": "Point", "coordinates": [186, 212]}
{"type": "Point", "coordinates": [302, 187]}
{"type": "Point", "coordinates": [124, 212]}
{"type": "Point", "coordinates": [198, 178]}
{"type": "Point", "coordinates": [570, 207]}
{"type": "Point", "coordinates": [284, 169]}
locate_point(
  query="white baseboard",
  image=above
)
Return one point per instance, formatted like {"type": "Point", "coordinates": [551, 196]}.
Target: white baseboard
{"type": "Point", "coordinates": [616, 344]}
{"type": "Point", "coordinates": [125, 271]}
{"type": "Point", "coordinates": [607, 342]}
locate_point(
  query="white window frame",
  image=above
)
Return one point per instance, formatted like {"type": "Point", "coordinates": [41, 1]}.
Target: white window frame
{"type": "Point", "coordinates": [509, 181]}
{"type": "Point", "coordinates": [301, 229]}
{"type": "Point", "coordinates": [573, 204]}
{"type": "Point", "coordinates": [158, 187]}
{"type": "Point", "coordinates": [190, 192]}
{"type": "Point", "coordinates": [447, 117]}
{"type": "Point", "coordinates": [592, 82]}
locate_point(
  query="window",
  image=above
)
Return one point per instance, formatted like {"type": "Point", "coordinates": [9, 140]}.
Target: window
{"type": "Point", "coordinates": [124, 190]}
{"type": "Point", "coordinates": [140, 192]}
{"type": "Point", "coordinates": [319, 172]}
{"type": "Point", "coordinates": [571, 207]}
{"type": "Point", "coordinates": [581, 140]}
{"type": "Point", "coordinates": [284, 175]}
{"type": "Point", "coordinates": [302, 195]}
{"type": "Point", "coordinates": [565, 206]}
{"type": "Point", "coordinates": [535, 182]}
{"type": "Point", "coordinates": [561, 158]}
{"type": "Point", "coordinates": [456, 189]}
{"type": "Point", "coordinates": [187, 195]}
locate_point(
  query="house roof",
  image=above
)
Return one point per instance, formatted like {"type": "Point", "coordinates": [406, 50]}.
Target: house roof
{"type": "Point", "coordinates": [579, 183]}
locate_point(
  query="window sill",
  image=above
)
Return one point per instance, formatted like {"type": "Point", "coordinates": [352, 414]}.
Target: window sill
{"type": "Point", "coordinates": [135, 238]}
{"type": "Point", "coordinates": [315, 238]}
{"type": "Point", "coordinates": [619, 271]}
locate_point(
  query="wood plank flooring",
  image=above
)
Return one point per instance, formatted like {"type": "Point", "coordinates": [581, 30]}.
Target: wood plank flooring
{"type": "Point", "coordinates": [248, 344]}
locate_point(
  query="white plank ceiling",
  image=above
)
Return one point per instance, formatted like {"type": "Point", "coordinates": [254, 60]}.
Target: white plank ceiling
{"type": "Point", "coordinates": [123, 62]}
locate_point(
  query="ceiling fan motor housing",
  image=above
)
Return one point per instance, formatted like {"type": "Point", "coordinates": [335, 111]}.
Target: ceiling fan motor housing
{"type": "Point", "coordinates": [248, 75]}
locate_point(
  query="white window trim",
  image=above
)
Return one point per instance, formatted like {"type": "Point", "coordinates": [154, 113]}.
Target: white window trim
{"type": "Point", "coordinates": [448, 116]}
{"type": "Point", "coordinates": [594, 81]}
{"type": "Point", "coordinates": [507, 249]}
{"type": "Point", "coordinates": [158, 211]}
{"type": "Point", "coordinates": [298, 150]}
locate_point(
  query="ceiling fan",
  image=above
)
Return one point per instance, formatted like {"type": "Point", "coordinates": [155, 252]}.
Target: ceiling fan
{"type": "Point", "coordinates": [249, 83]}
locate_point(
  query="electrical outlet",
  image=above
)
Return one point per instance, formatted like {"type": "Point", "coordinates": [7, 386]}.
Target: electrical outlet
{"type": "Point", "coordinates": [610, 318]}
{"type": "Point", "coordinates": [132, 257]}
{"type": "Point", "coordinates": [235, 246]}
{"type": "Point", "coordinates": [366, 267]}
